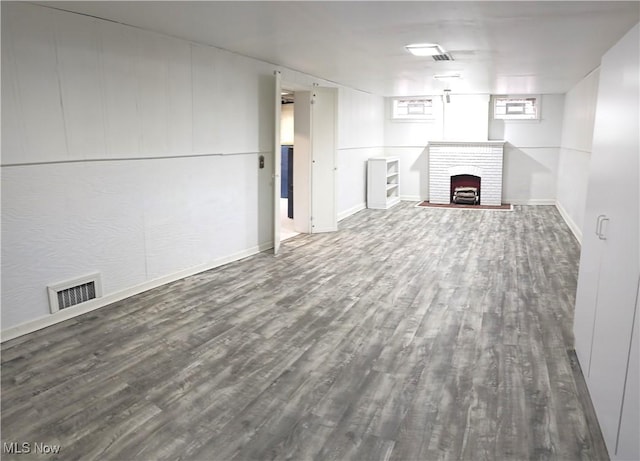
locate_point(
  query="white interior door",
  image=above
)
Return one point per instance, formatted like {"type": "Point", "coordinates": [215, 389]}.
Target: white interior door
{"type": "Point", "coordinates": [302, 162]}
{"type": "Point", "coordinates": [277, 161]}
{"type": "Point", "coordinates": [324, 110]}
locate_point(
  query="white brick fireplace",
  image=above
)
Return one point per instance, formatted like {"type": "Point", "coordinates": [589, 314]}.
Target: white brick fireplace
{"type": "Point", "coordinates": [477, 158]}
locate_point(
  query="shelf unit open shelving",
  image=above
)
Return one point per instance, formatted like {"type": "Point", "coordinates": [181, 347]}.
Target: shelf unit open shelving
{"type": "Point", "coordinates": [383, 182]}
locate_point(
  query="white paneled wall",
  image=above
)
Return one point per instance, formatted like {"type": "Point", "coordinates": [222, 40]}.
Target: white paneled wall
{"type": "Point", "coordinates": [88, 89]}
{"type": "Point", "coordinates": [360, 136]}
{"type": "Point", "coordinates": [123, 127]}
{"type": "Point", "coordinates": [132, 221]}
{"type": "Point", "coordinates": [352, 176]}
{"type": "Point", "coordinates": [79, 72]}
{"type": "Point", "coordinates": [135, 154]}
{"type": "Point", "coordinates": [529, 175]}
{"type": "Point", "coordinates": [579, 113]}
{"type": "Point", "coordinates": [408, 141]}
{"type": "Point", "coordinates": [31, 87]}
{"type": "Point", "coordinates": [413, 133]}
{"type": "Point", "coordinates": [543, 133]}
{"type": "Point", "coordinates": [466, 117]}
{"type": "Point", "coordinates": [531, 154]}
{"type": "Point", "coordinates": [127, 153]}
{"type": "Point", "coordinates": [575, 152]}
{"type": "Point", "coordinates": [414, 161]}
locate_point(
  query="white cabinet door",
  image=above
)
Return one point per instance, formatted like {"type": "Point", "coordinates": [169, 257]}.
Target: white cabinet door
{"type": "Point", "coordinates": [603, 172]}
{"type": "Point", "coordinates": [628, 440]}
{"type": "Point", "coordinates": [587, 292]}
{"type": "Point", "coordinates": [615, 180]}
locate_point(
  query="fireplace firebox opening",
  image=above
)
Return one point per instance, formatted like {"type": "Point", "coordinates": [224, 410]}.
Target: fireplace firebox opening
{"type": "Point", "coordinates": [465, 189]}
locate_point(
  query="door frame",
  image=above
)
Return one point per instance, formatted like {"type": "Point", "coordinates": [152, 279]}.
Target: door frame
{"type": "Point", "coordinates": [277, 146]}
{"type": "Point", "coordinates": [303, 164]}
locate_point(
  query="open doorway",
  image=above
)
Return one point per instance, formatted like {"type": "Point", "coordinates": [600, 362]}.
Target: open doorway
{"type": "Point", "coordinates": [287, 141]}
{"type": "Point", "coordinates": [314, 161]}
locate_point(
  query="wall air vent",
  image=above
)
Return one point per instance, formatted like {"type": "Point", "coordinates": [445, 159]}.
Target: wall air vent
{"type": "Point", "coordinates": [442, 57]}
{"type": "Point", "coordinates": [74, 292]}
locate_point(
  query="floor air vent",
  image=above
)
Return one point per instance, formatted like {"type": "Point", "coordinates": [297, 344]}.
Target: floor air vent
{"type": "Point", "coordinates": [74, 292]}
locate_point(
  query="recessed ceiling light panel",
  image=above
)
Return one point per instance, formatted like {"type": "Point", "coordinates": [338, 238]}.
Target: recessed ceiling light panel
{"type": "Point", "coordinates": [447, 77]}
{"type": "Point", "coordinates": [425, 49]}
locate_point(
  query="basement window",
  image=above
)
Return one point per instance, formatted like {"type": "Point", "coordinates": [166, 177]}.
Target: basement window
{"type": "Point", "coordinates": [412, 109]}
{"type": "Point", "coordinates": [516, 108]}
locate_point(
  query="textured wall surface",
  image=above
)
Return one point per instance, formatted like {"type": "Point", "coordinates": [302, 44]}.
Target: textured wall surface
{"type": "Point", "coordinates": [135, 155]}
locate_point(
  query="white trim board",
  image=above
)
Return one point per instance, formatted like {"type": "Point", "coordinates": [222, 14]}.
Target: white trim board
{"type": "Point", "coordinates": [542, 201]}
{"type": "Point", "coordinates": [577, 232]}
{"type": "Point", "coordinates": [535, 201]}
{"type": "Point", "coordinates": [363, 206]}
{"type": "Point", "coordinates": [75, 311]}
{"type": "Point", "coordinates": [445, 207]}
{"type": "Point", "coordinates": [351, 211]}
{"type": "Point", "coordinates": [411, 198]}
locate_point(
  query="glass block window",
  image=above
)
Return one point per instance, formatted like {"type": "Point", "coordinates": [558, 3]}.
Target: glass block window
{"type": "Point", "coordinates": [412, 109]}
{"type": "Point", "coordinates": [516, 108]}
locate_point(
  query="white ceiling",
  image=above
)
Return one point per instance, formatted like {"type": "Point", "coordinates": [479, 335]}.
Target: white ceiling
{"type": "Point", "coordinates": [498, 47]}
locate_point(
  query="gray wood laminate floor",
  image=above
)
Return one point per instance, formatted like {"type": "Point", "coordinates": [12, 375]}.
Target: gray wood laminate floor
{"type": "Point", "coordinates": [410, 334]}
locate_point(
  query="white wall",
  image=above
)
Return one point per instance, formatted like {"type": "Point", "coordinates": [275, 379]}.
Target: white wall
{"type": "Point", "coordinates": [531, 153]}
{"type": "Point", "coordinates": [575, 151]}
{"type": "Point", "coordinates": [124, 155]}
{"type": "Point", "coordinates": [132, 154]}
{"type": "Point", "coordinates": [286, 124]}
{"type": "Point", "coordinates": [360, 136]}
{"type": "Point", "coordinates": [135, 155]}
{"type": "Point", "coordinates": [407, 140]}
{"type": "Point", "coordinates": [466, 117]}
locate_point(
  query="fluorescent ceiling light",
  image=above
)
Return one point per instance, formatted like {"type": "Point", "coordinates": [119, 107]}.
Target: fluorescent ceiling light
{"type": "Point", "coordinates": [447, 77]}
{"type": "Point", "coordinates": [425, 49]}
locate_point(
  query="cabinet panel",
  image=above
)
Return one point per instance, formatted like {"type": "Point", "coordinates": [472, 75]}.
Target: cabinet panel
{"type": "Point", "coordinates": [586, 298]}
{"type": "Point", "coordinates": [628, 440]}
{"type": "Point", "coordinates": [612, 339]}
{"type": "Point", "coordinates": [610, 253]}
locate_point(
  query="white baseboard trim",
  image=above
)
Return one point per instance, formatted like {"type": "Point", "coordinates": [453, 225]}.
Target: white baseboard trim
{"type": "Point", "coordinates": [351, 211]}
{"type": "Point", "coordinates": [363, 206]}
{"type": "Point", "coordinates": [570, 222]}
{"type": "Point", "coordinates": [71, 312]}
{"type": "Point", "coordinates": [411, 198]}
{"type": "Point", "coordinates": [533, 201]}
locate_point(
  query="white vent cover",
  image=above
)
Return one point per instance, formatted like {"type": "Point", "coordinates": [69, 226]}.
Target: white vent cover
{"type": "Point", "coordinates": [442, 57]}
{"type": "Point", "coordinates": [73, 292]}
